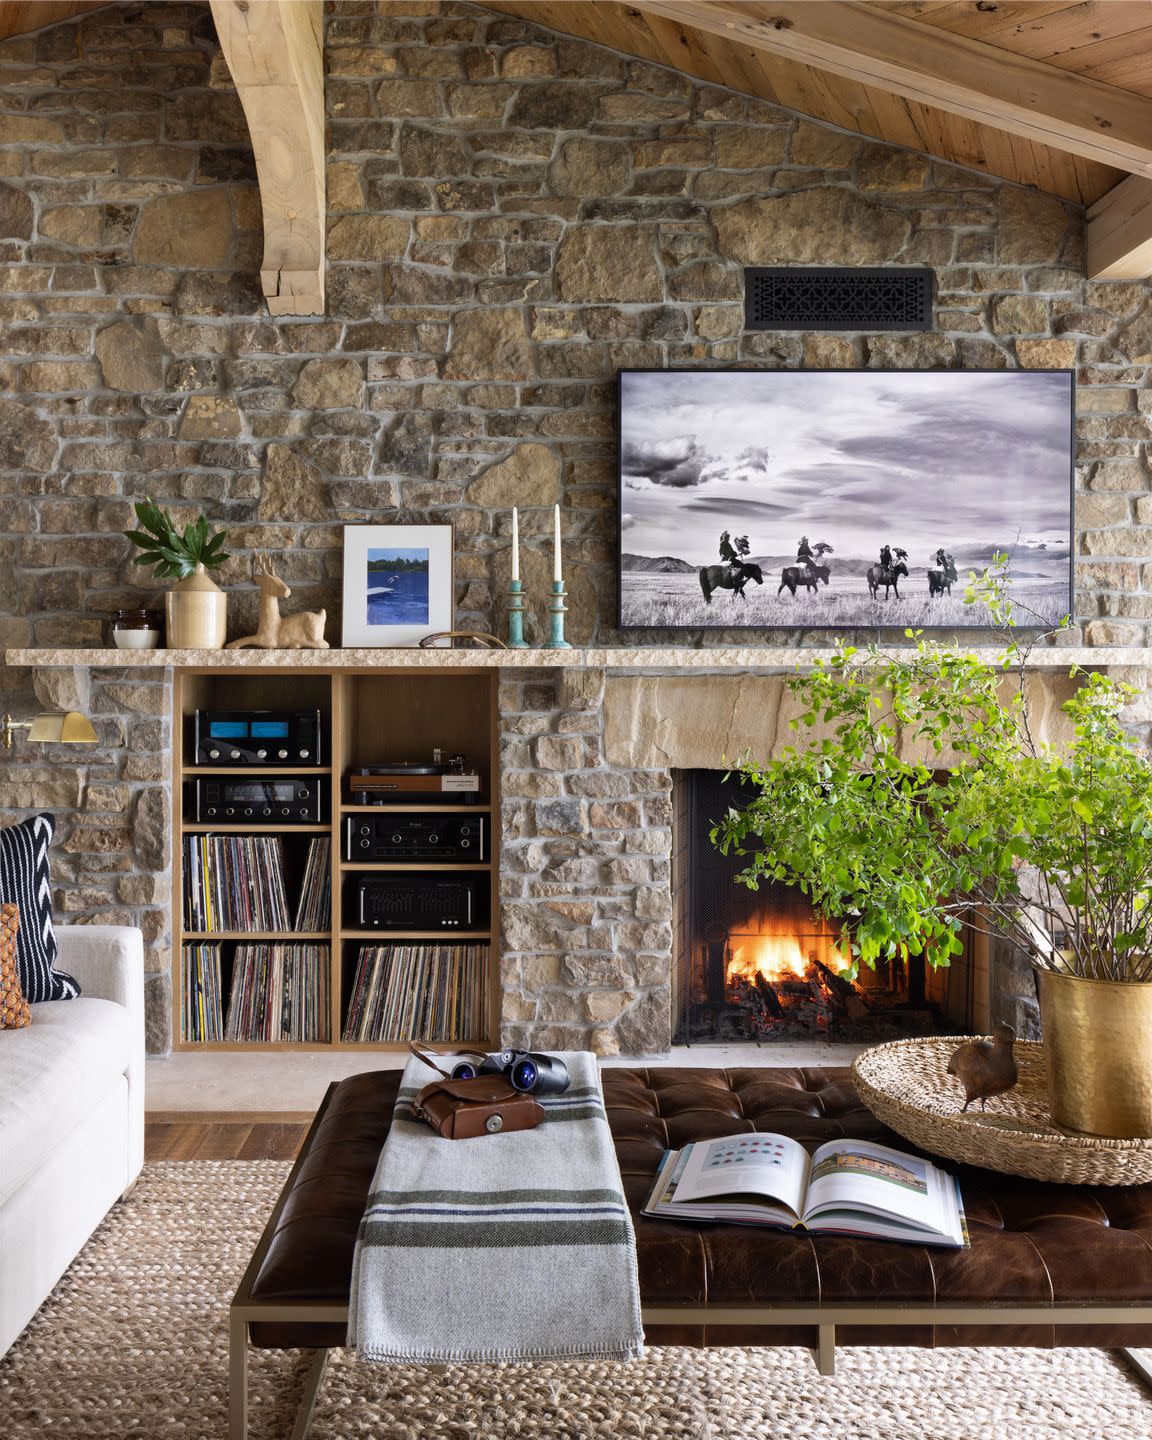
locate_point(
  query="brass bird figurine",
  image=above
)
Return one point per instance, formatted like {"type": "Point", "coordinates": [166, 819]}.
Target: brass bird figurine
{"type": "Point", "coordinates": [985, 1067]}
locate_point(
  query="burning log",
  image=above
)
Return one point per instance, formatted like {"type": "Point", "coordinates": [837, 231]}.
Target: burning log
{"type": "Point", "coordinates": [845, 993]}
{"type": "Point", "coordinates": [768, 997]}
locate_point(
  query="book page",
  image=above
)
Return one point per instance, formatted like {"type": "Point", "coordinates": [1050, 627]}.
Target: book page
{"type": "Point", "coordinates": [769, 1166]}
{"type": "Point", "coordinates": [855, 1174]}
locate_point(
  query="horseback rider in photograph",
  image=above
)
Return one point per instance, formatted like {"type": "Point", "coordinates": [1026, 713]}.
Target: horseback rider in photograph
{"type": "Point", "coordinates": [804, 555]}
{"type": "Point", "coordinates": [886, 557]}
{"type": "Point", "coordinates": [732, 552]}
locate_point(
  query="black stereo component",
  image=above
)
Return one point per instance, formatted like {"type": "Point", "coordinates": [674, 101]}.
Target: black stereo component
{"type": "Point", "coordinates": [415, 837]}
{"type": "Point", "coordinates": [419, 902]}
{"type": "Point", "coordinates": [257, 737]}
{"type": "Point", "coordinates": [290, 800]}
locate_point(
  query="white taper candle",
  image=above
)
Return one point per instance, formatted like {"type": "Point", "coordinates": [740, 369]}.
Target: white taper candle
{"type": "Point", "coordinates": [515, 544]}
{"type": "Point", "coordinates": [557, 574]}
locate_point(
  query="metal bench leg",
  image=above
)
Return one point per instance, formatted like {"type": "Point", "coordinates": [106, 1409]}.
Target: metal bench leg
{"type": "Point", "coordinates": [1139, 1366]}
{"type": "Point", "coordinates": [237, 1377]}
{"type": "Point", "coordinates": [312, 1383]}
{"type": "Point", "coordinates": [826, 1349]}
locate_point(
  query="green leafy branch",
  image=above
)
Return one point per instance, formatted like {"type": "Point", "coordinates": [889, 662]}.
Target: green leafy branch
{"type": "Point", "coordinates": [996, 833]}
{"type": "Point", "coordinates": [174, 553]}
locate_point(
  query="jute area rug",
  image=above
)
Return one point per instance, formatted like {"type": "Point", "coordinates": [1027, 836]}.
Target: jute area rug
{"type": "Point", "coordinates": [133, 1345]}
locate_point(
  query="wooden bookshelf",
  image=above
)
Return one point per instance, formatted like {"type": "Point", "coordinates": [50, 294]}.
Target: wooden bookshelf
{"type": "Point", "coordinates": [372, 715]}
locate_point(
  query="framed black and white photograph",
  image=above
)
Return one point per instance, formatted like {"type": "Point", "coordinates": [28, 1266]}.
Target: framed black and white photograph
{"type": "Point", "coordinates": [398, 584]}
{"type": "Point", "coordinates": [834, 499]}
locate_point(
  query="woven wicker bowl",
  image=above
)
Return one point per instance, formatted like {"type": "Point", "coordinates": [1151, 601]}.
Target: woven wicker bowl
{"type": "Point", "coordinates": [907, 1086]}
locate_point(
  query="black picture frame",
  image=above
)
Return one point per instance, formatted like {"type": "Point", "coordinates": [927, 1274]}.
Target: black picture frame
{"type": "Point", "coordinates": [801, 623]}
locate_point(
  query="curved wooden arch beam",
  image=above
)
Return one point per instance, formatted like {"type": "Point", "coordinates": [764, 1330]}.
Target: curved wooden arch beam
{"type": "Point", "coordinates": [275, 52]}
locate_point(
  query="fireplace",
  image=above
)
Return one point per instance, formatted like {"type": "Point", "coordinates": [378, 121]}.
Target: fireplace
{"type": "Point", "coordinates": [762, 965]}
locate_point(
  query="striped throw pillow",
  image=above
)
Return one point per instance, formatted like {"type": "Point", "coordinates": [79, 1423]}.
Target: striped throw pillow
{"type": "Point", "coordinates": [24, 882]}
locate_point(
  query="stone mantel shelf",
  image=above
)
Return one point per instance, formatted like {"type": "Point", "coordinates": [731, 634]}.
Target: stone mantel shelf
{"type": "Point", "coordinates": [649, 657]}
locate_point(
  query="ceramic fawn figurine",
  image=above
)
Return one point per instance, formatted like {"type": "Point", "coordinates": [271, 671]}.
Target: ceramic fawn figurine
{"type": "Point", "coordinates": [303, 631]}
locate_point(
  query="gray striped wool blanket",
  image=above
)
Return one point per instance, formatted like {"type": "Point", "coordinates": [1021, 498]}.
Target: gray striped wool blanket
{"type": "Point", "coordinates": [505, 1247]}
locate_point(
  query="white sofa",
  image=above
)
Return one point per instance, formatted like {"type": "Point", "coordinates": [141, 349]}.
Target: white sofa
{"type": "Point", "coordinates": [71, 1116]}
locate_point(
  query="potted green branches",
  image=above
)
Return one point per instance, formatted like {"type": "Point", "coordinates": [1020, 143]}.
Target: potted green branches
{"type": "Point", "coordinates": [196, 608]}
{"type": "Point", "coordinates": [923, 803]}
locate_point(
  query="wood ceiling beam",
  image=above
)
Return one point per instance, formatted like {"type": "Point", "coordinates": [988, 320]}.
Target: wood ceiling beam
{"type": "Point", "coordinates": [274, 50]}
{"type": "Point", "coordinates": [19, 17]}
{"type": "Point", "coordinates": [951, 72]}
{"type": "Point", "coordinates": [1119, 232]}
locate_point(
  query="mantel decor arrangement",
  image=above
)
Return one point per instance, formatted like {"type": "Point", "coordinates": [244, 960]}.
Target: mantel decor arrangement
{"type": "Point", "coordinates": [196, 609]}
{"type": "Point", "coordinates": [1006, 836]}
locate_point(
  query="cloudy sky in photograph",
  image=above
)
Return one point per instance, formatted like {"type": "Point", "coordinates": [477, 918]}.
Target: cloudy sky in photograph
{"type": "Point", "coordinates": [856, 458]}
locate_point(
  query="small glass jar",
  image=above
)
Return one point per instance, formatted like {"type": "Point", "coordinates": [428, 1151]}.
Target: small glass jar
{"type": "Point", "coordinates": [136, 629]}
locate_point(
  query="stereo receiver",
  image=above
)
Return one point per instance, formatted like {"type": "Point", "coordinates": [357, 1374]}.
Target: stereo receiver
{"type": "Point", "coordinates": [419, 902]}
{"type": "Point", "coordinates": [289, 800]}
{"type": "Point", "coordinates": [414, 837]}
{"type": "Point", "coordinates": [257, 737]}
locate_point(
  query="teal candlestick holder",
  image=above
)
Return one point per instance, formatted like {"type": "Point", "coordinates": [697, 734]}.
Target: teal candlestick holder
{"type": "Point", "coordinates": [556, 608]}
{"type": "Point", "coordinates": [516, 639]}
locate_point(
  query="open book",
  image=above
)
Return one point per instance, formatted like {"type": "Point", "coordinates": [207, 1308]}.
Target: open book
{"type": "Point", "coordinates": [846, 1187]}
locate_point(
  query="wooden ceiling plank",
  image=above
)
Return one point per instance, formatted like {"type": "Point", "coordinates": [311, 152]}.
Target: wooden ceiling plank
{"type": "Point", "coordinates": [846, 103]}
{"type": "Point", "coordinates": [976, 21]}
{"type": "Point", "coordinates": [1119, 232]}
{"type": "Point", "coordinates": [896, 122]}
{"type": "Point", "coordinates": [1072, 30]}
{"type": "Point", "coordinates": [1093, 181]}
{"type": "Point", "coordinates": [18, 17]}
{"type": "Point", "coordinates": [948, 72]}
{"type": "Point", "coordinates": [274, 52]}
{"type": "Point", "coordinates": [1130, 72]}
{"type": "Point", "coordinates": [950, 133]}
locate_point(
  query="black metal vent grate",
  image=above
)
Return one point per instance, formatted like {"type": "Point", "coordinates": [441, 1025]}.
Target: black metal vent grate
{"type": "Point", "coordinates": [801, 297]}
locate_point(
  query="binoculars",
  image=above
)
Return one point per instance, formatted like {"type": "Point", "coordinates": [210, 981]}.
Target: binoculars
{"type": "Point", "coordinates": [525, 1071]}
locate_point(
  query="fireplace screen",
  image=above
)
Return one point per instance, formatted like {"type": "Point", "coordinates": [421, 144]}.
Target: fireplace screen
{"type": "Point", "coordinates": [761, 964]}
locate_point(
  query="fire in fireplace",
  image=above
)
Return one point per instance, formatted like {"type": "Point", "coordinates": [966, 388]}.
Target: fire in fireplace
{"type": "Point", "coordinates": [762, 965]}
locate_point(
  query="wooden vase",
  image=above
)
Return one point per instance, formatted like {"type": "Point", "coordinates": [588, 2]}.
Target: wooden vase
{"type": "Point", "coordinates": [197, 613]}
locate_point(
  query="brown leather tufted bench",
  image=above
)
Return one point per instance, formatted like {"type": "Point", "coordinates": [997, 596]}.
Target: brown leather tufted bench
{"type": "Point", "coordinates": [1049, 1264]}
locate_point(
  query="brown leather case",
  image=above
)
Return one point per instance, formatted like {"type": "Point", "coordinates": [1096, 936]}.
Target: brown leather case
{"type": "Point", "coordinates": [484, 1105]}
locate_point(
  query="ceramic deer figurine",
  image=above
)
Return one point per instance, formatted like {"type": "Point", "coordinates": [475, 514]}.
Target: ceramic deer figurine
{"type": "Point", "coordinates": [304, 631]}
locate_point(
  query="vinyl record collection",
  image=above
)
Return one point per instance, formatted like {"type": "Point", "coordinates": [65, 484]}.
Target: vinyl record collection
{"type": "Point", "coordinates": [234, 882]}
{"type": "Point", "coordinates": [279, 992]}
{"type": "Point", "coordinates": [201, 1009]}
{"type": "Point", "coordinates": [432, 992]}
{"type": "Point", "coordinates": [314, 909]}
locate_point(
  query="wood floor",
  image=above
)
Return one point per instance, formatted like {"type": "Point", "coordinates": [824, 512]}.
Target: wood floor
{"type": "Point", "coordinates": [223, 1137]}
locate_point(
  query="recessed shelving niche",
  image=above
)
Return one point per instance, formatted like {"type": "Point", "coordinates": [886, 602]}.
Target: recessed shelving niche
{"type": "Point", "coordinates": [369, 716]}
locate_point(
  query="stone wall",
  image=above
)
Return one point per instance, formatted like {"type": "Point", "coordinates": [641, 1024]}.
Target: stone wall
{"type": "Point", "coordinates": [514, 216]}
{"type": "Point", "coordinates": [585, 875]}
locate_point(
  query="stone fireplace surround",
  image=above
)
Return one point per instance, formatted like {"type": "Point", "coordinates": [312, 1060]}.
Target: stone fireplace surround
{"type": "Point", "coordinates": [587, 756]}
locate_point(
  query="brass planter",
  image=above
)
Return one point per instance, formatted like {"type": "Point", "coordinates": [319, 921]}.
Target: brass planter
{"type": "Point", "coordinates": [1098, 1052]}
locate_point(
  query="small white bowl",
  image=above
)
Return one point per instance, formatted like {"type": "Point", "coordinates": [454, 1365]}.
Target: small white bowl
{"type": "Point", "coordinates": [136, 639]}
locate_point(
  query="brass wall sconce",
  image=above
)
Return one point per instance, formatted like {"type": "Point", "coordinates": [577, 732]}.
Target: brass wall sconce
{"type": "Point", "coordinates": [69, 728]}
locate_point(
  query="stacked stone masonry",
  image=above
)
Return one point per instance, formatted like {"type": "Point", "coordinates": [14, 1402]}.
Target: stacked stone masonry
{"type": "Point", "coordinates": [514, 215]}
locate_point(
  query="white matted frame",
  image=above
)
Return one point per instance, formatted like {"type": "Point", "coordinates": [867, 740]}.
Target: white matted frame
{"type": "Point", "coordinates": [359, 628]}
